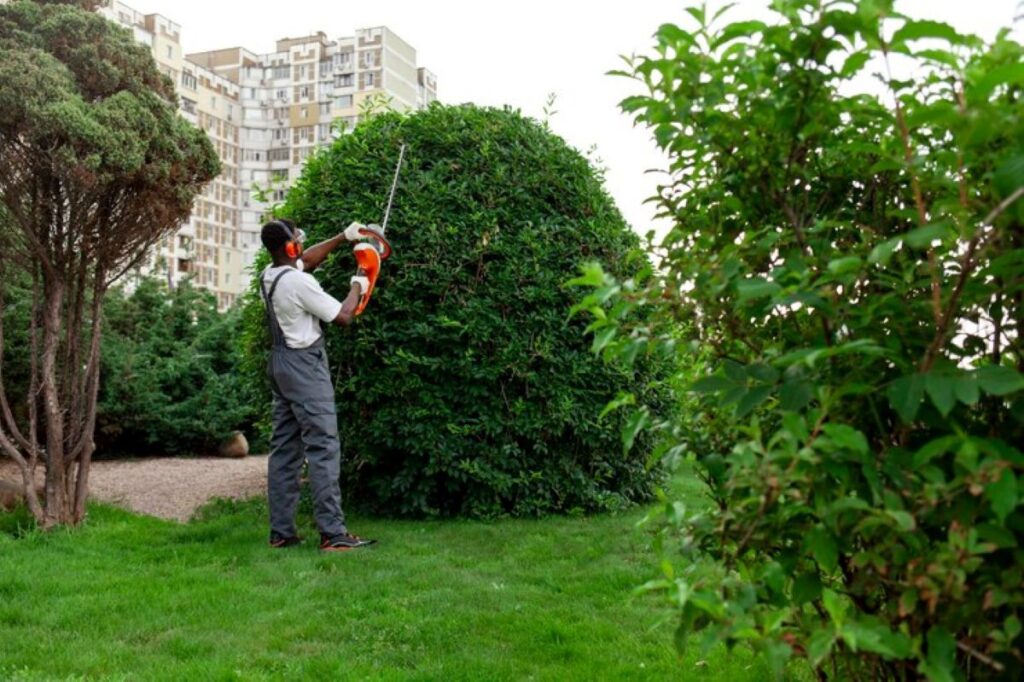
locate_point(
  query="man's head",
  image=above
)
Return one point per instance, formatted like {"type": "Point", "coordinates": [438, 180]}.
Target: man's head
{"type": "Point", "coordinates": [283, 240]}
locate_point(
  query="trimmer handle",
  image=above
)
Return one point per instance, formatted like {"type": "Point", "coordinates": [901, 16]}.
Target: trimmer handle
{"type": "Point", "coordinates": [368, 259]}
{"type": "Point", "coordinates": [376, 236]}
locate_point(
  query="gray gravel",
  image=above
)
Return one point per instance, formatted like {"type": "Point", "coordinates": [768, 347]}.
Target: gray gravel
{"type": "Point", "coordinates": [169, 487]}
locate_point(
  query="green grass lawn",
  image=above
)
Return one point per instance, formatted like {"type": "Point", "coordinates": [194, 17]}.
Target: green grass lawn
{"type": "Point", "coordinates": [132, 597]}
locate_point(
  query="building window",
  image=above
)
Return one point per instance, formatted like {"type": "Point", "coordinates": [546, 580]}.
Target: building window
{"type": "Point", "coordinates": [325, 108]}
{"type": "Point", "coordinates": [182, 265]}
{"type": "Point", "coordinates": [170, 52]}
{"type": "Point", "coordinates": [281, 71]}
{"type": "Point", "coordinates": [188, 105]}
{"type": "Point", "coordinates": [280, 154]}
{"type": "Point", "coordinates": [343, 102]}
{"type": "Point", "coordinates": [343, 80]}
{"type": "Point", "coordinates": [304, 112]}
{"type": "Point", "coordinates": [369, 80]}
{"type": "Point", "coordinates": [188, 80]}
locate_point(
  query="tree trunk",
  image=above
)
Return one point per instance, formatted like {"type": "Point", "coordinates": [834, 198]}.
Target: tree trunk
{"type": "Point", "coordinates": [56, 473]}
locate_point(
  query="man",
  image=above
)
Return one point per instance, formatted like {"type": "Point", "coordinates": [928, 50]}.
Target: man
{"type": "Point", "coordinates": [305, 423]}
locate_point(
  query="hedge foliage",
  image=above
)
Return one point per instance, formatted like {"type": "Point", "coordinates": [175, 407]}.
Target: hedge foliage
{"type": "Point", "coordinates": [464, 388]}
{"type": "Point", "coordinates": [852, 264]}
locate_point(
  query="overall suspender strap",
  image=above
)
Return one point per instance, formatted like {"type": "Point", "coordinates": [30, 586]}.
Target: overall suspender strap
{"type": "Point", "coordinates": [276, 333]}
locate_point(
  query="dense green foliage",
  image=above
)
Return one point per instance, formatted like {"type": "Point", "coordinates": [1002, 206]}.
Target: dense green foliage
{"type": "Point", "coordinates": [171, 380]}
{"type": "Point", "coordinates": [853, 267]}
{"type": "Point", "coordinates": [208, 601]}
{"type": "Point", "coordinates": [463, 389]}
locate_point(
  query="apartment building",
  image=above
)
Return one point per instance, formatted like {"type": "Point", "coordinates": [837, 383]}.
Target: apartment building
{"type": "Point", "coordinates": [265, 114]}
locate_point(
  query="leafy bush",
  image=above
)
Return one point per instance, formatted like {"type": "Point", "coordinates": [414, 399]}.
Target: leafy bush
{"type": "Point", "coordinates": [464, 389]}
{"type": "Point", "coordinates": [170, 381]}
{"type": "Point", "coordinates": [854, 265]}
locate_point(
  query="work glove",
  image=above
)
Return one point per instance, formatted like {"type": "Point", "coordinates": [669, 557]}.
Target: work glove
{"type": "Point", "coordinates": [351, 232]}
{"type": "Point", "coordinates": [374, 233]}
{"type": "Point", "coordinates": [363, 282]}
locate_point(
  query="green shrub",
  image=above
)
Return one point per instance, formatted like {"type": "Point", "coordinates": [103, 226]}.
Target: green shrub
{"type": "Point", "coordinates": [464, 389]}
{"type": "Point", "coordinates": [171, 380]}
{"type": "Point", "coordinates": [854, 267]}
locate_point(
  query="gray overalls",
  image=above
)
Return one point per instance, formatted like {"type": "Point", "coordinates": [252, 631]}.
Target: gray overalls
{"type": "Point", "coordinates": [305, 423]}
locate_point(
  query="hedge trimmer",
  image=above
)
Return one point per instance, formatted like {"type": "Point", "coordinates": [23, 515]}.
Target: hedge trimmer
{"type": "Point", "coordinates": [369, 255]}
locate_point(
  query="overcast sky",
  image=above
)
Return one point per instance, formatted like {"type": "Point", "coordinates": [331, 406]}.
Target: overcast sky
{"type": "Point", "coordinates": [517, 52]}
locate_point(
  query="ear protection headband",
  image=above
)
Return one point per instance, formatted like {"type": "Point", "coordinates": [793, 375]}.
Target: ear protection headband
{"type": "Point", "coordinates": [292, 248]}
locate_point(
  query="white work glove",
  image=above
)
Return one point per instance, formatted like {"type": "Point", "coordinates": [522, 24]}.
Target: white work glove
{"type": "Point", "coordinates": [352, 232]}
{"type": "Point", "coordinates": [363, 282]}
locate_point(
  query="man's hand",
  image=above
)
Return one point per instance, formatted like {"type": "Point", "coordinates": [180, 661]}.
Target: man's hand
{"type": "Point", "coordinates": [352, 232]}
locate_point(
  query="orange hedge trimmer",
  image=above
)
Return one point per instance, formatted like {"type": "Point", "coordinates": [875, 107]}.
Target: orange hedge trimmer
{"type": "Point", "coordinates": [369, 255]}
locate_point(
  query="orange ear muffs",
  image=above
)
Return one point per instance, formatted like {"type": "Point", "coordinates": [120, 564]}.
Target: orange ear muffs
{"type": "Point", "coordinates": [368, 259]}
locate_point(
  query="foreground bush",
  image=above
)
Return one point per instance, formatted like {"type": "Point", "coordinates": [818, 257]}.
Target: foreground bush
{"type": "Point", "coordinates": [855, 267]}
{"type": "Point", "coordinates": [463, 389]}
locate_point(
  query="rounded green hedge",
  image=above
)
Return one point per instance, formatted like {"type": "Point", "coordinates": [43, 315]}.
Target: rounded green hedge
{"type": "Point", "coordinates": [465, 388]}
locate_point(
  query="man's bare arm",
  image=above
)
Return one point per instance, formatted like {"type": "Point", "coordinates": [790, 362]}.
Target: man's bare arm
{"type": "Point", "coordinates": [315, 255]}
{"type": "Point", "coordinates": [348, 306]}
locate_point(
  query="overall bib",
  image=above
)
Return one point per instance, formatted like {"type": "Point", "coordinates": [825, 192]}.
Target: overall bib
{"type": "Point", "coordinates": [305, 425]}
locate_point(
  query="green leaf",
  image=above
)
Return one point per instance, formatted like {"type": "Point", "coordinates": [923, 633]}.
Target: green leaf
{"type": "Point", "coordinates": [739, 29]}
{"type": "Point", "coordinates": [711, 384]}
{"type": "Point", "coordinates": [940, 661]}
{"type": "Point", "coordinates": [819, 646]}
{"type": "Point", "coordinates": [635, 423]}
{"type": "Point", "coordinates": [1000, 380]}
{"type": "Point", "coordinates": [933, 449]}
{"type": "Point", "coordinates": [834, 606]}
{"type": "Point", "coordinates": [872, 634]}
{"type": "Point", "coordinates": [905, 396]}
{"type": "Point", "coordinates": [882, 254]}
{"type": "Point", "coordinates": [941, 388]}
{"type": "Point", "coordinates": [620, 400]}
{"type": "Point", "coordinates": [919, 29]}
{"type": "Point", "coordinates": [965, 387]}
{"type": "Point", "coordinates": [592, 275]}
{"type": "Point", "coordinates": [806, 587]}
{"type": "Point", "coordinates": [795, 395]}
{"type": "Point", "coordinates": [991, 79]}
{"type": "Point", "coordinates": [755, 288]}
{"type": "Point", "coordinates": [752, 399]}
{"type": "Point", "coordinates": [922, 237]}
{"type": "Point", "coordinates": [846, 437]}
{"type": "Point", "coordinates": [941, 56]}
{"type": "Point", "coordinates": [1002, 494]}
{"type": "Point", "coordinates": [854, 63]}
{"type": "Point", "coordinates": [903, 519]}
{"type": "Point", "coordinates": [842, 266]}
{"type": "Point", "coordinates": [602, 339]}
{"type": "Point", "coordinates": [822, 546]}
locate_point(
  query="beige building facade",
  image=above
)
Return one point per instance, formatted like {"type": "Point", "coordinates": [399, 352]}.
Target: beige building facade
{"type": "Point", "coordinates": [265, 114]}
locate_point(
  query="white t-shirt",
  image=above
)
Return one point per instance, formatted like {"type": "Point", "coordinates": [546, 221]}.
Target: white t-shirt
{"type": "Point", "coordinates": [299, 301]}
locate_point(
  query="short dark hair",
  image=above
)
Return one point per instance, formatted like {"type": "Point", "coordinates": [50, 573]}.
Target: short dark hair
{"type": "Point", "coordinates": [276, 234]}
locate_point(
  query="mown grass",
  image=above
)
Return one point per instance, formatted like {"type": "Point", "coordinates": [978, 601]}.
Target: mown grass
{"type": "Point", "coordinates": [132, 597]}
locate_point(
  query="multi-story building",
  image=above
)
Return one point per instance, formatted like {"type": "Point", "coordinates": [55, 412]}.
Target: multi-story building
{"type": "Point", "coordinates": [266, 114]}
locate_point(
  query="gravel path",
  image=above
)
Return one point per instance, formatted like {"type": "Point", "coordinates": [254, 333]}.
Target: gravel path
{"type": "Point", "coordinates": [170, 487]}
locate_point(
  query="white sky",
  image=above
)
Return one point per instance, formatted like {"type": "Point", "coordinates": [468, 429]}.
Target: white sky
{"type": "Point", "coordinates": [515, 53]}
